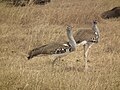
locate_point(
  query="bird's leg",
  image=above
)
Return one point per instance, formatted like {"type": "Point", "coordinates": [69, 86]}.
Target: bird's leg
{"type": "Point", "coordinates": [85, 56]}
{"type": "Point", "coordinates": [55, 60]}
{"type": "Point", "coordinates": [86, 49]}
{"type": "Point", "coordinates": [89, 45]}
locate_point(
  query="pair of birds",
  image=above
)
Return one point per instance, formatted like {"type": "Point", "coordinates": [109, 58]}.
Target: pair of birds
{"type": "Point", "coordinates": [86, 37]}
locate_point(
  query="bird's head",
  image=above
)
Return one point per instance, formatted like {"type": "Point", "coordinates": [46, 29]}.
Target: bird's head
{"type": "Point", "coordinates": [69, 28]}
{"type": "Point", "coordinates": [94, 21]}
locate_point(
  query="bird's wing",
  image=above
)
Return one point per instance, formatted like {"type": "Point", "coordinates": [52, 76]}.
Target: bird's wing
{"type": "Point", "coordinates": [84, 34]}
{"type": "Point", "coordinates": [56, 48]}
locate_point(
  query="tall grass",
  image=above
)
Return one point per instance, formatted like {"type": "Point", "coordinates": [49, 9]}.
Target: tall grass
{"type": "Point", "coordinates": [24, 28]}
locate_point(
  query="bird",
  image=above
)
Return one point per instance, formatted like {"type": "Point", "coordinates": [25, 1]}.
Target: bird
{"type": "Point", "coordinates": [56, 49]}
{"type": "Point", "coordinates": [87, 37]}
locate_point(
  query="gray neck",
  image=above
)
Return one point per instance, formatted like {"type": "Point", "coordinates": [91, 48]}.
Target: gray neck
{"type": "Point", "coordinates": [95, 28]}
{"type": "Point", "coordinates": [72, 41]}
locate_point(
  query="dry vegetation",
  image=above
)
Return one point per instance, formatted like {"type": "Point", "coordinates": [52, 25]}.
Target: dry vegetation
{"type": "Point", "coordinates": [24, 28]}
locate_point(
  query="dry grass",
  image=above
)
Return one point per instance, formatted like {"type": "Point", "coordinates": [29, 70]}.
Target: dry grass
{"type": "Point", "coordinates": [24, 28]}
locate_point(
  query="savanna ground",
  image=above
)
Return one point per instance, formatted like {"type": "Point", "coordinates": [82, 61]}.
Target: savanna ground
{"type": "Point", "coordinates": [24, 28]}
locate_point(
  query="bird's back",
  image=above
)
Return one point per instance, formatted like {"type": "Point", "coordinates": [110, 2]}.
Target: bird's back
{"type": "Point", "coordinates": [84, 35]}
{"type": "Point", "coordinates": [53, 48]}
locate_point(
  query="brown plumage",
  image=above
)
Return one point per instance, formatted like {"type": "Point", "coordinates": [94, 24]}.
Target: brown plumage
{"type": "Point", "coordinates": [49, 49]}
{"type": "Point", "coordinates": [85, 34]}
